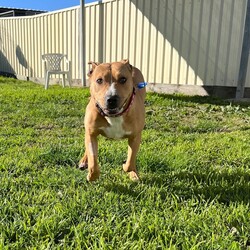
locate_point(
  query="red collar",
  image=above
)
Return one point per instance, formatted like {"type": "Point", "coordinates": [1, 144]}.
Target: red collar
{"type": "Point", "coordinates": [128, 104]}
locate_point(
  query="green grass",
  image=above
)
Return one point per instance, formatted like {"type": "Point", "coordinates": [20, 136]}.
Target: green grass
{"type": "Point", "coordinates": [194, 163]}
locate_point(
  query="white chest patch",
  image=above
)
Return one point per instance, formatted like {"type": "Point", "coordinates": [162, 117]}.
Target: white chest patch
{"type": "Point", "coordinates": [115, 129]}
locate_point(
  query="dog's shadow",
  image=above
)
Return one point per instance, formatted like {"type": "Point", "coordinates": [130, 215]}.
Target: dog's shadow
{"type": "Point", "coordinates": [128, 189]}
{"type": "Point", "coordinates": [222, 186]}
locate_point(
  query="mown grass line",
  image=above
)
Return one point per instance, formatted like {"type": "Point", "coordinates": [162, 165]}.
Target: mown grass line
{"type": "Point", "coordinates": [194, 164]}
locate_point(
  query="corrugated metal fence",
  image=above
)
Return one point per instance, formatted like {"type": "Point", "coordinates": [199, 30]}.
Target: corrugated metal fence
{"type": "Point", "coordinates": [24, 39]}
{"type": "Point", "coordinates": [186, 42]}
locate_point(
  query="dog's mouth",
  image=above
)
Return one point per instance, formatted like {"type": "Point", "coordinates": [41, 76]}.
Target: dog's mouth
{"type": "Point", "coordinates": [113, 111]}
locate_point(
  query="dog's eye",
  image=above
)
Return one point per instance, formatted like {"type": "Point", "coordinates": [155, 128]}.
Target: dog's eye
{"type": "Point", "coordinates": [122, 80]}
{"type": "Point", "coordinates": [99, 81]}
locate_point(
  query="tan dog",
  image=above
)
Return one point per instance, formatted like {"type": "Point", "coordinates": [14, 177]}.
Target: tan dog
{"type": "Point", "coordinates": [115, 110]}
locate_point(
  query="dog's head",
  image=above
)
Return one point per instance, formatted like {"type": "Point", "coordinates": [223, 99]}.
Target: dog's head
{"type": "Point", "coordinates": [111, 85]}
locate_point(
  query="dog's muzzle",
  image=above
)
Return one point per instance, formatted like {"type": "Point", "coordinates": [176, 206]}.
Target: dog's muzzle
{"type": "Point", "coordinates": [112, 105]}
{"type": "Point", "coordinates": [112, 102]}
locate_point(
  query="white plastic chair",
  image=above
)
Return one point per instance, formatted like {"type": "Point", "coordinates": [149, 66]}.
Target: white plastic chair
{"type": "Point", "coordinates": [52, 65]}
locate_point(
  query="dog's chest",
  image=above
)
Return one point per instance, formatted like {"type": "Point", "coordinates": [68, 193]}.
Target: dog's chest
{"type": "Point", "coordinates": [115, 129]}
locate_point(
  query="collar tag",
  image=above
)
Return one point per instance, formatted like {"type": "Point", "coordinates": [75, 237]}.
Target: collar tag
{"type": "Point", "coordinates": [142, 85]}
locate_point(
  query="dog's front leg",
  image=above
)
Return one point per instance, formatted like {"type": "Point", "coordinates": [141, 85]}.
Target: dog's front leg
{"type": "Point", "coordinates": [130, 165]}
{"type": "Point", "coordinates": [83, 164]}
{"type": "Point", "coordinates": [91, 147]}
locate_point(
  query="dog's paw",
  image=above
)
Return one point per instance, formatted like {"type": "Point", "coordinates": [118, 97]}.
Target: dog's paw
{"type": "Point", "coordinates": [133, 176]}
{"type": "Point", "coordinates": [83, 165]}
{"type": "Point", "coordinates": [93, 176]}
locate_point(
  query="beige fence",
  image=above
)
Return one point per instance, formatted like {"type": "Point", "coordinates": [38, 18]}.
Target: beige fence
{"type": "Point", "coordinates": [175, 41]}
{"type": "Point", "coordinates": [195, 42]}
{"type": "Point", "coordinates": [24, 39]}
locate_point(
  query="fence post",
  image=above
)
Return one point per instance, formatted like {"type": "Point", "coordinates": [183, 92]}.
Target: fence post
{"type": "Point", "coordinates": [82, 42]}
{"type": "Point", "coordinates": [244, 55]}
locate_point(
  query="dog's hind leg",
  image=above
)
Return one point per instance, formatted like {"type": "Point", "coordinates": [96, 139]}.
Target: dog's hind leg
{"type": "Point", "coordinates": [130, 165]}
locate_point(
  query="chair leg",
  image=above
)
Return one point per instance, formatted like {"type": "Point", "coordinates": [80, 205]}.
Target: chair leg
{"type": "Point", "coordinates": [47, 80]}
{"type": "Point", "coordinates": [63, 80]}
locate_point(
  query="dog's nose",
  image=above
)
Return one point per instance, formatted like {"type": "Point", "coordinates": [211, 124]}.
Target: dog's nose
{"type": "Point", "coordinates": [112, 101]}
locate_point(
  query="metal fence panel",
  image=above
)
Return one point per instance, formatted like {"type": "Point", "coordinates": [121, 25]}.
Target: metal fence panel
{"type": "Point", "coordinates": [25, 39]}
{"type": "Point", "coordinates": [195, 42]}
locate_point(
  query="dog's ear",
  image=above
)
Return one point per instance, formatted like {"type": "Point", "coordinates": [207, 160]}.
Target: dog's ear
{"type": "Point", "coordinates": [126, 62]}
{"type": "Point", "coordinates": [92, 67]}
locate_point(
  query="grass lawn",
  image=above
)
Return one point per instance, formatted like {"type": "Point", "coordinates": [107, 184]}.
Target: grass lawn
{"type": "Point", "coordinates": [194, 164]}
